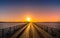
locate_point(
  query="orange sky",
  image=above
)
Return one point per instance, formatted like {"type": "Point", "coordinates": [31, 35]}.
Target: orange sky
{"type": "Point", "coordinates": [38, 11]}
{"type": "Point", "coordinates": [40, 14]}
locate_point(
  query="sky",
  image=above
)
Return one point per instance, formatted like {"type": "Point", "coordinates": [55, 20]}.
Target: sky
{"type": "Point", "coordinates": [38, 11]}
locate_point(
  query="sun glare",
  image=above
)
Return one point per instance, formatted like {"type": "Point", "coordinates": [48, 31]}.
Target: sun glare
{"type": "Point", "coordinates": [28, 19]}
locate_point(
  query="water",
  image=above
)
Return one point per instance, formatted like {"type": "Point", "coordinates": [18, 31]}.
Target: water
{"type": "Point", "coordinates": [51, 24]}
{"type": "Point", "coordinates": [6, 25]}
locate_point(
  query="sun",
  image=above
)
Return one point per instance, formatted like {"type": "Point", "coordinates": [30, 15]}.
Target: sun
{"type": "Point", "coordinates": [28, 19]}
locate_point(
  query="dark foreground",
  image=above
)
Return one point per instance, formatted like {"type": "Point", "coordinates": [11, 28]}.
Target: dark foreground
{"type": "Point", "coordinates": [30, 30]}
